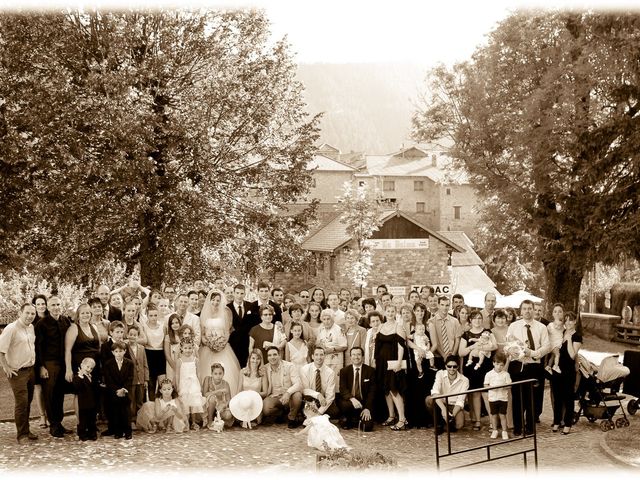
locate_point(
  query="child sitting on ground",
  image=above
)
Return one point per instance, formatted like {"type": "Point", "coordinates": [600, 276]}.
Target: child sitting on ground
{"type": "Point", "coordinates": [87, 404]}
{"type": "Point", "coordinates": [188, 384]}
{"type": "Point", "coordinates": [484, 340]}
{"type": "Point", "coordinates": [423, 348]}
{"type": "Point", "coordinates": [164, 413]}
{"type": "Point", "coordinates": [320, 430]}
{"type": "Point", "coordinates": [217, 392]}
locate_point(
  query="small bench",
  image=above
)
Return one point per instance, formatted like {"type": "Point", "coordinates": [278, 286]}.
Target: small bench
{"type": "Point", "coordinates": [628, 333]}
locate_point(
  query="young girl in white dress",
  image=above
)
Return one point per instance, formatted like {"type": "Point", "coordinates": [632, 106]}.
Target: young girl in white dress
{"type": "Point", "coordinates": [165, 413]}
{"type": "Point", "coordinates": [189, 389]}
{"type": "Point", "coordinates": [318, 427]}
{"type": "Point", "coordinates": [215, 325]}
{"type": "Point", "coordinates": [297, 350]}
{"type": "Point", "coordinates": [172, 344]}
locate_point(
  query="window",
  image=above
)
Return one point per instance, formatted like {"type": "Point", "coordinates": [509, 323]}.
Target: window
{"type": "Point", "coordinates": [332, 267]}
{"type": "Point", "coordinates": [321, 262]}
{"type": "Point", "coordinates": [391, 201]}
{"type": "Point", "coordinates": [418, 186]}
{"type": "Point", "coordinates": [448, 191]}
{"type": "Point", "coordinates": [456, 212]}
{"type": "Point", "coordinates": [388, 185]}
{"type": "Point", "coordinates": [419, 207]}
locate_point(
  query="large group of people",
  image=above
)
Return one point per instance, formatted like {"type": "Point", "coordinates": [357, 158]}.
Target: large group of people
{"type": "Point", "coordinates": [144, 359]}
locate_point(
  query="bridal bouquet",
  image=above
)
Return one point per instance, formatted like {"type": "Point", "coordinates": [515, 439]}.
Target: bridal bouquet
{"type": "Point", "coordinates": [214, 341]}
{"type": "Point", "coordinates": [514, 349]}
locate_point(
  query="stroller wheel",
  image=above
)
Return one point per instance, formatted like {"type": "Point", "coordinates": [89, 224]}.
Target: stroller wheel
{"type": "Point", "coordinates": [622, 422]}
{"type": "Point", "coordinates": [606, 425]}
{"type": "Point", "coordinates": [591, 418]}
{"type": "Point", "coordinates": [632, 407]}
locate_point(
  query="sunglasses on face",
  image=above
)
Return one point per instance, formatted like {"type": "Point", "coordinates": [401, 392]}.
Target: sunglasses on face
{"type": "Point", "coordinates": [452, 366]}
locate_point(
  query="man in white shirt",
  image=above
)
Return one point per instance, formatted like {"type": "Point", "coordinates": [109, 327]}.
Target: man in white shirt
{"type": "Point", "coordinates": [528, 331]}
{"type": "Point", "coordinates": [284, 392]}
{"type": "Point", "coordinates": [188, 318]}
{"type": "Point", "coordinates": [334, 305]}
{"type": "Point", "coordinates": [17, 359]}
{"type": "Point", "coordinates": [448, 381]}
{"type": "Point", "coordinates": [319, 381]}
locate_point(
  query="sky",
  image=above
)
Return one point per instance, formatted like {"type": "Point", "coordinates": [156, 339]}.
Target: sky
{"type": "Point", "coordinates": [421, 32]}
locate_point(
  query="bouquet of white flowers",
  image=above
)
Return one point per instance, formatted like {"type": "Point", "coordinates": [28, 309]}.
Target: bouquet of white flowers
{"type": "Point", "coordinates": [214, 341]}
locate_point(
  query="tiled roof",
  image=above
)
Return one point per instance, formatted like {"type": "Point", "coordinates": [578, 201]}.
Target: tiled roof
{"type": "Point", "coordinates": [469, 256]}
{"type": "Point", "coordinates": [333, 234]}
{"type": "Point", "coordinates": [411, 165]}
{"type": "Point", "coordinates": [324, 163]}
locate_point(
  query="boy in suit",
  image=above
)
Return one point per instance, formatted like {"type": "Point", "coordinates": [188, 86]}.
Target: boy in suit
{"type": "Point", "coordinates": [357, 392]}
{"type": "Point", "coordinates": [118, 377]}
{"type": "Point", "coordinates": [138, 356]}
{"type": "Point", "coordinates": [116, 334]}
{"type": "Point", "coordinates": [87, 404]}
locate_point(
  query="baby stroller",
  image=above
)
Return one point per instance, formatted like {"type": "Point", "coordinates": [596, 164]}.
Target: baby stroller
{"type": "Point", "coordinates": [631, 384]}
{"type": "Point", "coordinates": [598, 392]}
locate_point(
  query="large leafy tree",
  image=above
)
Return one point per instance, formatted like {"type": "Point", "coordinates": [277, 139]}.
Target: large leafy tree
{"type": "Point", "coordinates": [544, 117]}
{"type": "Point", "coordinates": [171, 139]}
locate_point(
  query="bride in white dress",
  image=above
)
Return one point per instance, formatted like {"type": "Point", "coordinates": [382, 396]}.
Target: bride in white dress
{"type": "Point", "coordinates": [215, 325]}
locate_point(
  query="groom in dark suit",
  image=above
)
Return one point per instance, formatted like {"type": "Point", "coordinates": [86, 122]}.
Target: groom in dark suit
{"type": "Point", "coordinates": [357, 392]}
{"type": "Point", "coordinates": [242, 323]}
{"type": "Point", "coordinates": [264, 294]}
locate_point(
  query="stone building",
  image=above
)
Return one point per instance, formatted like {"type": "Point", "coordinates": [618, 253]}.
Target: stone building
{"type": "Point", "coordinates": [406, 254]}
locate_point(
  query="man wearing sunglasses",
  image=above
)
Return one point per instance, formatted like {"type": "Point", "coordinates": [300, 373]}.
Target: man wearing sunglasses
{"type": "Point", "coordinates": [451, 409]}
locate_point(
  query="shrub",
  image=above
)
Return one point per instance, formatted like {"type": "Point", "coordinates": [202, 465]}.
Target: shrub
{"type": "Point", "coordinates": [343, 459]}
{"type": "Point", "coordinates": [18, 288]}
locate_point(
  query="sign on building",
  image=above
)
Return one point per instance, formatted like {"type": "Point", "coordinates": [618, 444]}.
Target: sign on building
{"type": "Point", "coordinates": [441, 289]}
{"type": "Point", "coordinates": [395, 291]}
{"type": "Point", "coordinates": [398, 244]}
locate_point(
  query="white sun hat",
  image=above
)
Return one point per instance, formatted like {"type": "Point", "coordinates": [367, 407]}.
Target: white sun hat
{"type": "Point", "coordinates": [246, 406]}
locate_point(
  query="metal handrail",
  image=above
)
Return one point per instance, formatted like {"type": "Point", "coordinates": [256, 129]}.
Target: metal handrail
{"type": "Point", "coordinates": [520, 384]}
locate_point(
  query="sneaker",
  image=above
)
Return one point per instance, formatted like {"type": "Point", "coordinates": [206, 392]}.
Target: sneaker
{"type": "Point", "coordinates": [494, 434]}
{"type": "Point", "coordinates": [556, 368]}
{"type": "Point", "coordinates": [505, 435]}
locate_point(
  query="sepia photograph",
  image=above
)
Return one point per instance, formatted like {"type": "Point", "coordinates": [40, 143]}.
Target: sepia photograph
{"type": "Point", "coordinates": [285, 238]}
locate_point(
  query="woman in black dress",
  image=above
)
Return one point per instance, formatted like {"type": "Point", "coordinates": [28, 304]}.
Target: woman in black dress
{"type": "Point", "coordinates": [390, 346]}
{"type": "Point", "coordinates": [476, 370]}
{"type": "Point", "coordinates": [81, 341]}
{"type": "Point", "coordinates": [562, 384]}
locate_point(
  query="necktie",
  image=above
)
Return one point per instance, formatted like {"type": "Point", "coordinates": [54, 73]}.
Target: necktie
{"type": "Point", "coordinates": [532, 344]}
{"type": "Point", "coordinates": [318, 381]}
{"type": "Point", "coordinates": [445, 338]}
{"type": "Point", "coordinates": [240, 311]}
{"type": "Point", "coordinates": [356, 384]}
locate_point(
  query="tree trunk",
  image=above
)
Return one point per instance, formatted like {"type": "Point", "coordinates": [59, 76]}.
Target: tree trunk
{"type": "Point", "coordinates": [563, 285]}
{"type": "Point", "coordinates": [152, 260]}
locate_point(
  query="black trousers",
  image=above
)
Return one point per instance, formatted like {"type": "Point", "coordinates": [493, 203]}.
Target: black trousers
{"type": "Point", "coordinates": [120, 414]}
{"type": "Point", "coordinates": [87, 423]}
{"type": "Point", "coordinates": [352, 414]}
{"type": "Point", "coordinates": [522, 395]}
{"type": "Point", "coordinates": [53, 392]}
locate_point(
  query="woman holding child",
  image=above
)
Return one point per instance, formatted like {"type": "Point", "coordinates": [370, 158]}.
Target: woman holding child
{"type": "Point", "coordinates": [476, 347]}
{"type": "Point", "coordinates": [563, 382]}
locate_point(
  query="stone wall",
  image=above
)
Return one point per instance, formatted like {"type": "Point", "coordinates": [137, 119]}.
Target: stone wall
{"type": "Point", "coordinates": [397, 268]}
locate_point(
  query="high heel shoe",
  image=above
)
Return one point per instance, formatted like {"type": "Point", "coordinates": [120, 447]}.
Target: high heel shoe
{"type": "Point", "coordinates": [401, 425]}
{"type": "Point", "coordinates": [389, 421]}
{"type": "Point", "coordinates": [555, 428]}
{"type": "Point", "coordinates": [566, 430]}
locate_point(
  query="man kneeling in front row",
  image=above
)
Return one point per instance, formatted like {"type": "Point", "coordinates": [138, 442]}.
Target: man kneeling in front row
{"type": "Point", "coordinates": [449, 381]}
{"type": "Point", "coordinates": [357, 392]}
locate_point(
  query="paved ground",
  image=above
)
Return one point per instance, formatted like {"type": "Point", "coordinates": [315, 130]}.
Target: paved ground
{"type": "Point", "coordinates": [274, 448]}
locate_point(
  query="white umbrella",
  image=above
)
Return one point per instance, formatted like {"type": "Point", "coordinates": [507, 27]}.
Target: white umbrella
{"type": "Point", "coordinates": [516, 298]}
